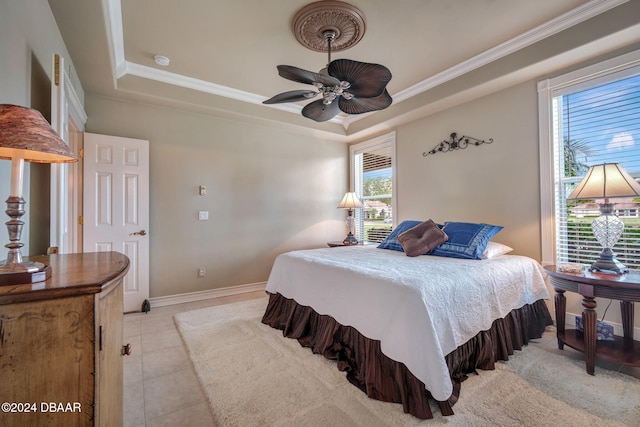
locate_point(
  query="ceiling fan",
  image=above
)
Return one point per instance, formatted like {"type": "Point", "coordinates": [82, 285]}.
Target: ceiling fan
{"type": "Point", "coordinates": [345, 86]}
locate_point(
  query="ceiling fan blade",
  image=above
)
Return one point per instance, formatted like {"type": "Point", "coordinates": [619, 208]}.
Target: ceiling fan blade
{"type": "Point", "coordinates": [291, 96]}
{"type": "Point", "coordinates": [367, 80]}
{"type": "Point", "coordinates": [303, 76]}
{"type": "Point", "coordinates": [319, 112]}
{"type": "Point", "coordinates": [357, 105]}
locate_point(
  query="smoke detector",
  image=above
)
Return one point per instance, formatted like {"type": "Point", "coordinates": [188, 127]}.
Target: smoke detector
{"type": "Point", "coordinates": [162, 60]}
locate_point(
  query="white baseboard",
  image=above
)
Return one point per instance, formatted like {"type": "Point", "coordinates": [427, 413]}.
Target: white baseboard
{"type": "Point", "coordinates": [200, 295]}
{"type": "Point", "coordinates": [570, 323]}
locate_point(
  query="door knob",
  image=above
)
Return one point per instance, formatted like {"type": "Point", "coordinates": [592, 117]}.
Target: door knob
{"type": "Point", "coordinates": [139, 233]}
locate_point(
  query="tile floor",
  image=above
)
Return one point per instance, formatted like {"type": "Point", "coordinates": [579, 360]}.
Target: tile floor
{"type": "Point", "coordinates": [160, 384]}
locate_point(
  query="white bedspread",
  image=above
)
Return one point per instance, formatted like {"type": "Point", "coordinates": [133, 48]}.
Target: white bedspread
{"type": "Point", "coordinates": [420, 308]}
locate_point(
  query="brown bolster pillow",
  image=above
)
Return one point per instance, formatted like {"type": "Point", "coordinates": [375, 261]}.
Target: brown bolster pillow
{"type": "Point", "coordinates": [422, 238]}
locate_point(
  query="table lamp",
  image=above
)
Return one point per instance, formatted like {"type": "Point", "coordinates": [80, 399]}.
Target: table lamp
{"type": "Point", "coordinates": [25, 135]}
{"type": "Point", "coordinates": [607, 181]}
{"type": "Point", "coordinates": [350, 201]}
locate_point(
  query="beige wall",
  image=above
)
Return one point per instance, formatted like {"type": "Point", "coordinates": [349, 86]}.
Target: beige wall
{"type": "Point", "coordinates": [495, 183]}
{"type": "Point", "coordinates": [268, 192]}
{"type": "Point", "coordinates": [29, 37]}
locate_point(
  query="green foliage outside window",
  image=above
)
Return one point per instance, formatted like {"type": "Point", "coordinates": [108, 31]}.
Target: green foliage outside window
{"type": "Point", "coordinates": [377, 187]}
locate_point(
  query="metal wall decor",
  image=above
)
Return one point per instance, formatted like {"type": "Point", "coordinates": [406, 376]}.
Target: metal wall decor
{"type": "Point", "coordinates": [455, 143]}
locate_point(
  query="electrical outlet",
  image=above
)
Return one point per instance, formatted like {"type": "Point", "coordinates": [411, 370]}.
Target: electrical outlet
{"type": "Point", "coordinates": [203, 215]}
{"type": "Point", "coordinates": [201, 272]}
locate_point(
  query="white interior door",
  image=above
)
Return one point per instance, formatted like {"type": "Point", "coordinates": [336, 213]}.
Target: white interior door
{"type": "Point", "coordinates": [116, 207]}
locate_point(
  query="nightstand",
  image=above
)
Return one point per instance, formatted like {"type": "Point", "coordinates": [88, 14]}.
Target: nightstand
{"type": "Point", "coordinates": [338, 243]}
{"type": "Point", "coordinates": [624, 287]}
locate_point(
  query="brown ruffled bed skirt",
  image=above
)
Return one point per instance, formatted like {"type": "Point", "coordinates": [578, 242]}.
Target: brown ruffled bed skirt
{"type": "Point", "coordinates": [385, 379]}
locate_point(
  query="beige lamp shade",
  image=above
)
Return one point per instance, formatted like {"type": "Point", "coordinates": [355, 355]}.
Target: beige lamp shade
{"type": "Point", "coordinates": [350, 201]}
{"type": "Point", "coordinates": [608, 180]}
{"type": "Point", "coordinates": [25, 134]}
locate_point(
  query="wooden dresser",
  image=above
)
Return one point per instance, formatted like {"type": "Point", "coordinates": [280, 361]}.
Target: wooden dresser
{"type": "Point", "coordinates": [61, 344]}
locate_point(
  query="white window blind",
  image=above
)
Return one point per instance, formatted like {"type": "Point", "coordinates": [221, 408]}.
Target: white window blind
{"type": "Point", "coordinates": [596, 121]}
{"type": "Point", "coordinates": [372, 171]}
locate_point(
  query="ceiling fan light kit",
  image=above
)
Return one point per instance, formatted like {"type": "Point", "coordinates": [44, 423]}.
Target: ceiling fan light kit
{"type": "Point", "coordinates": [345, 85]}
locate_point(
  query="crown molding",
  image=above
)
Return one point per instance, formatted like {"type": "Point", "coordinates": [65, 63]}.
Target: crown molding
{"type": "Point", "coordinates": [122, 67]}
{"type": "Point", "coordinates": [133, 69]}
{"type": "Point", "coordinates": [163, 76]}
{"type": "Point", "coordinates": [115, 35]}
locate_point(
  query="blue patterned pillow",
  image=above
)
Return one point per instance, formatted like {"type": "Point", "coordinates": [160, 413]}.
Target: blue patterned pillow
{"type": "Point", "coordinates": [466, 240]}
{"type": "Point", "coordinates": [391, 242]}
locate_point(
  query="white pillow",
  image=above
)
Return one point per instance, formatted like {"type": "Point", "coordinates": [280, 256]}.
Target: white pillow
{"type": "Point", "coordinates": [494, 249]}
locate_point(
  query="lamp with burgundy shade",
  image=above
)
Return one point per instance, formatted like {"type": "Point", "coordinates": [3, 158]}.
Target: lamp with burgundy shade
{"type": "Point", "coordinates": [25, 136]}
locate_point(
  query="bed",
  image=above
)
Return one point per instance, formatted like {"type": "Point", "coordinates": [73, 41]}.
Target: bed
{"type": "Point", "coordinates": [407, 328]}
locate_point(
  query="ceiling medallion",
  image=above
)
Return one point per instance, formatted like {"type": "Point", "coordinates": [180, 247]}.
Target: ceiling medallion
{"type": "Point", "coordinates": [311, 23]}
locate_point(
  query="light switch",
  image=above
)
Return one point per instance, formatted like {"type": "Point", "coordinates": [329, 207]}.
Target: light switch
{"type": "Point", "coordinates": [203, 190]}
{"type": "Point", "coordinates": [203, 215]}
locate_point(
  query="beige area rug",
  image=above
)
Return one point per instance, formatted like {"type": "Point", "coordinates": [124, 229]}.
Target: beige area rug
{"type": "Point", "coordinates": [253, 376]}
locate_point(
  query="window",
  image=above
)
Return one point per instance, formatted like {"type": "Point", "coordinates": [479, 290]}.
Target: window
{"type": "Point", "coordinates": [373, 180]}
{"type": "Point", "coordinates": [588, 117]}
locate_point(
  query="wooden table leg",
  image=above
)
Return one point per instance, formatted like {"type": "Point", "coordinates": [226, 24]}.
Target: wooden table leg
{"type": "Point", "coordinates": [561, 309]}
{"type": "Point", "coordinates": [626, 308]}
{"type": "Point", "coordinates": [589, 327]}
